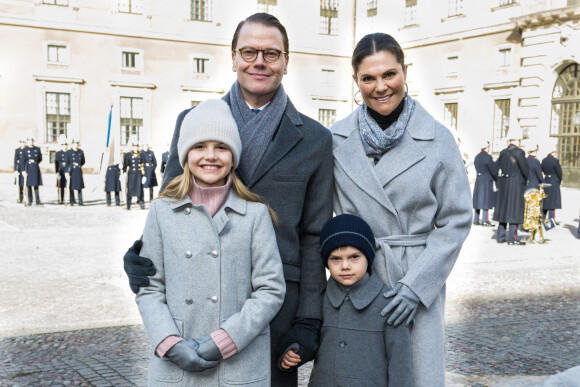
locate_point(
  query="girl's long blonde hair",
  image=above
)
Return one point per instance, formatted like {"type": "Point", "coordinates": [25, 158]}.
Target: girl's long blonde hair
{"type": "Point", "coordinates": [181, 185]}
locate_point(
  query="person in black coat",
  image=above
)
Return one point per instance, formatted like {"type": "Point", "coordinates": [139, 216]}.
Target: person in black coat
{"type": "Point", "coordinates": [19, 179]}
{"type": "Point", "coordinates": [75, 160]}
{"type": "Point", "coordinates": [150, 163]}
{"type": "Point", "coordinates": [61, 170]}
{"type": "Point", "coordinates": [553, 175]}
{"type": "Point", "coordinates": [113, 183]}
{"type": "Point", "coordinates": [483, 194]}
{"type": "Point", "coordinates": [133, 168]}
{"type": "Point", "coordinates": [164, 158]}
{"type": "Point", "coordinates": [535, 178]}
{"type": "Point", "coordinates": [510, 206]}
{"type": "Point", "coordinates": [29, 161]}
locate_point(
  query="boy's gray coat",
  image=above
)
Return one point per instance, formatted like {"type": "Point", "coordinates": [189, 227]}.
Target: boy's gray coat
{"type": "Point", "coordinates": [417, 201]}
{"type": "Point", "coordinates": [357, 347]}
{"type": "Point", "coordinates": [215, 273]}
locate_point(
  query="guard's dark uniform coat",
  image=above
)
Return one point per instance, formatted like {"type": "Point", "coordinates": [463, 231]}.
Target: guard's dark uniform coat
{"type": "Point", "coordinates": [75, 160]}
{"type": "Point", "coordinates": [535, 177]}
{"type": "Point", "coordinates": [513, 176]}
{"type": "Point", "coordinates": [483, 195]}
{"type": "Point", "coordinates": [553, 175]}
{"type": "Point", "coordinates": [18, 166]}
{"type": "Point", "coordinates": [132, 167]}
{"type": "Point", "coordinates": [112, 181]}
{"type": "Point", "coordinates": [60, 167]}
{"type": "Point", "coordinates": [150, 163]}
{"type": "Point", "coordinates": [31, 157]}
{"type": "Point", "coordinates": [164, 158]}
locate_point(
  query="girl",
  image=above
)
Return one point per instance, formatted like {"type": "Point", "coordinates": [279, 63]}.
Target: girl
{"type": "Point", "coordinates": [219, 277]}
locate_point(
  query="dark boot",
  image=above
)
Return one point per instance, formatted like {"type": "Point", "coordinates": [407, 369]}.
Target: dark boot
{"type": "Point", "coordinates": [108, 196]}
{"type": "Point", "coordinates": [117, 199]}
{"type": "Point", "coordinates": [81, 198]}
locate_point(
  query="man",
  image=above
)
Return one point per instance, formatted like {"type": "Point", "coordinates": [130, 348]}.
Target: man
{"type": "Point", "coordinates": [150, 163]}
{"type": "Point", "coordinates": [553, 172]}
{"type": "Point", "coordinates": [61, 169]}
{"type": "Point", "coordinates": [483, 195]}
{"type": "Point", "coordinates": [18, 169]}
{"type": "Point", "coordinates": [164, 158]}
{"type": "Point", "coordinates": [133, 167]}
{"type": "Point", "coordinates": [29, 160]}
{"type": "Point", "coordinates": [75, 160]}
{"type": "Point", "coordinates": [287, 160]}
{"type": "Point", "coordinates": [513, 175]}
{"type": "Point", "coordinates": [535, 177]}
{"type": "Point", "coordinates": [113, 184]}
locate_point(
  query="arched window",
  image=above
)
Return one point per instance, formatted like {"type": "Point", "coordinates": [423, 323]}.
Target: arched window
{"type": "Point", "coordinates": [565, 123]}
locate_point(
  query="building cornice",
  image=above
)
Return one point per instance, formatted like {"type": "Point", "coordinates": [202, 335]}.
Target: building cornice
{"type": "Point", "coordinates": [328, 98]}
{"type": "Point", "coordinates": [449, 90]}
{"type": "Point", "coordinates": [202, 89]}
{"type": "Point", "coordinates": [57, 78]}
{"type": "Point", "coordinates": [501, 85]}
{"type": "Point", "coordinates": [538, 19]}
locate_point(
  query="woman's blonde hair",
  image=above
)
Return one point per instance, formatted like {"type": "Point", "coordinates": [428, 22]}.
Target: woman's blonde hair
{"type": "Point", "coordinates": [181, 185]}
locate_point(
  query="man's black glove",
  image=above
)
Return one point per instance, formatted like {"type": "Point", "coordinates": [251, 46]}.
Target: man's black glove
{"type": "Point", "coordinates": [305, 334]}
{"type": "Point", "coordinates": [207, 349]}
{"type": "Point", "coordinates": [406, 303]}
{"type": "Point", "coordinates": [138, 269]}
{"type": "Point", "coordinates": [184, 355]}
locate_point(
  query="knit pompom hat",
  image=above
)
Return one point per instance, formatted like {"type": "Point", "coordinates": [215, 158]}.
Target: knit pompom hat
{"type": "Point", "coordinates": [347, 230]}
{"type": "Point", "coordinates": [211, 120]}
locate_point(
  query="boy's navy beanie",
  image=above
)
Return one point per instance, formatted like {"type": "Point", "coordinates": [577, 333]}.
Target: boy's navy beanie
{"type": "Point", "coordinates": [347, 230]}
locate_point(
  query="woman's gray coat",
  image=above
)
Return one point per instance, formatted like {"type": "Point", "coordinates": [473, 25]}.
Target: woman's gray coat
{"type": "Point", "coordinates": [221, 272]}
{"type": "Point", "coordinates": [417, 201]}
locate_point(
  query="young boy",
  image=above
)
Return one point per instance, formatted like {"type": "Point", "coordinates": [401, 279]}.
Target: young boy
{"type": "Point", "coordinates": [357, 347]}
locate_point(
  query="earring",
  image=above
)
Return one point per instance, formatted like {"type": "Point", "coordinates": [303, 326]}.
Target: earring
{"type": "Point", "coordinates": [354, 97]}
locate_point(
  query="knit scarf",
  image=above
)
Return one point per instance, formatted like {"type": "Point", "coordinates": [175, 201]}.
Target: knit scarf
{"type": "Point", "coordinates": [256, 130]}
{"type": "Point", "coordinates": [377, 141]}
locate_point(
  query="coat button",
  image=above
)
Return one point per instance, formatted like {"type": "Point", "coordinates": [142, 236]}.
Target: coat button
{"type": "Point", "coordinates": [187, 211]}
{"type": "Point", "coordinates": [188, 254]}
{"type": "Point", "coordinates": [214, 254]}
{"type": "Point", "coordinates": [189, 301]}
{"type": "Point", "coordinates": [214, 299]}
{"type": "Point", "coordinates": [342, 344]}
{"type": "Point", "coordinates": [347, 299]}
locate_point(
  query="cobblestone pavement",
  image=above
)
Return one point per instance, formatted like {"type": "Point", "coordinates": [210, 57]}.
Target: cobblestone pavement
{"type": "Point", "coordinates": [67, 316]}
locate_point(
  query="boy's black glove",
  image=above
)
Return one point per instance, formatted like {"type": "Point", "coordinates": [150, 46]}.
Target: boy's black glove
{"type": "Point", "coordinates": [184, 355]}
{"type": "Point", "coordinates": [138, 269]}
{"type": "Point", "coordinates": [305, 334]}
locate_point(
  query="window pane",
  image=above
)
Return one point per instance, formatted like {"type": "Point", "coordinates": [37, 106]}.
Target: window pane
{"type": "Point", "coordinates": [57, 115]}
{"type": "Point", "coordinates": [131, 118]}
{"type": "Point", "coordinates": [410, 12]}
{"type": "Point", "coordinates": [327, 117]}
{"type": "Point", "coordinates": [501, 119]}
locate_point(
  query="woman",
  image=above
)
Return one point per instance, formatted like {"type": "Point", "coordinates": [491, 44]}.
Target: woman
{"type": "Point", "coordinates": [401, 171]}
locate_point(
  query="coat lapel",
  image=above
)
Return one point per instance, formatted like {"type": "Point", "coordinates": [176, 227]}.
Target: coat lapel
{"type": "Point", "coordinates": [398, 159]}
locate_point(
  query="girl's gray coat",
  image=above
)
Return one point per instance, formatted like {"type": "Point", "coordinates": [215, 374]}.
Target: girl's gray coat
{"type": "Point", "coordinates": [417, 201]}
{"type": "Point", "coordinates": [221, 272]}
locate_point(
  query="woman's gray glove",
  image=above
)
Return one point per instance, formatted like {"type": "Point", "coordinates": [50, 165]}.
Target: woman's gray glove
{"type": "Point", "coordinates": [184, 355]}
{"type": "Point", "coordinates": [406, 303]}
{"type": "Point", "coordinates": [207, 349]}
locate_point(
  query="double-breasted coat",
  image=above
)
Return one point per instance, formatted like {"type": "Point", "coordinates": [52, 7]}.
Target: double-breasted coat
{"type": "Point", "coordinates": [221, 272]}
{"type": "Point", "coordinates": [18, 166]}
{"type": "Point", "coordinates": [535, 176]}
{"type": "Point", "coordinates": [417, 201]}
{"type": "Point", "coordinates": [112, 181]}
{"type": "Point", "coordinates": [30, 158]}
{"type": "Point", "coordinates": [513, 177]}
{"type": "Point", "coordinates": [357, 346]}
{"type": "Point", "coordinates": [60, 167]}
{"type": "Point", "coordinates": [132, 162]}
{"type": "Point", "coordinates": [553, 175]}
{"type": "Point", "coordinates": [483, 194]}
{"type": "Point", "coordinates": [149, 163]}
{"type": "Point", "coordinates": [75, 160]}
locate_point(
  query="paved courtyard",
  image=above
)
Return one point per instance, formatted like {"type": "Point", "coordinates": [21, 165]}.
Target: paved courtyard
{"type": "Point", "coordinates": [68, 317]}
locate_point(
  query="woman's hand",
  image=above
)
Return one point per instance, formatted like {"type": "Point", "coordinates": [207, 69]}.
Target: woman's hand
{"type": "Point", "coordinates": [406, 303]}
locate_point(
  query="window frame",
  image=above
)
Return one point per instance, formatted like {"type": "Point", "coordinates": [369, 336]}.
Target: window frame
{"type": "Point", "coordinates": [205, 8]}
{"type": "Point", "coordinates": [49, 137]}
{"type": "Point", "coordinates": [139, 60]}
{"type": "Point", "coordinates": [328, 19]}
{"type": "Point", "coordinates": [54, 43]}
{"type": "Point", "coordinates": [131, 8]}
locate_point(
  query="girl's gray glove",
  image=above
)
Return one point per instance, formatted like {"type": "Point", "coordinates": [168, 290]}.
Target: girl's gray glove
{"type": "Point", "coordinates": [406, 303]}
{"type": "Point", "coordinates": [184, 355]}
{"type": "Point", "coordinates": [207, 349]}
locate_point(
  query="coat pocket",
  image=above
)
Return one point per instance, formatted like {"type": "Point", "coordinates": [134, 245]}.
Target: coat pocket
{"type": "Point", "coordinates": [163, 370]}
{"type": "Point", "coordinates": [252, 364]}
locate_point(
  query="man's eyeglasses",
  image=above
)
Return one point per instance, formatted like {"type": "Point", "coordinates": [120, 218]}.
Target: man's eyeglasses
{"type": "Point", "coordinates": [250, 54]}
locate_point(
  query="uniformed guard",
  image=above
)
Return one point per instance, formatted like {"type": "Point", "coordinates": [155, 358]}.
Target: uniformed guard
{"type": "Point", "coordinates": [164, 158]}
{"type": "Point", "coordinates": [134, 169]}
{"type": "Point", "coordinates": [75, 160]}
{"type": "Point", "coordinates": [150, 163]}
{"type": "Point", "coordinates": [30, 160]}
{"type": "Point", "coordinates": [113, 183]}
{"type": "Point", "coordinates": [18, 169]}
{"type": "Point", "coordinates": [512, 178]}
{"type": "Point", "coordinates": [535, 177]}
{"type": "Point", "coordinates": [483, 193]}
{"type": "Point", "coordinates": [553, 175]}
{"type": "Point", "coordinates": [61, 168]}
